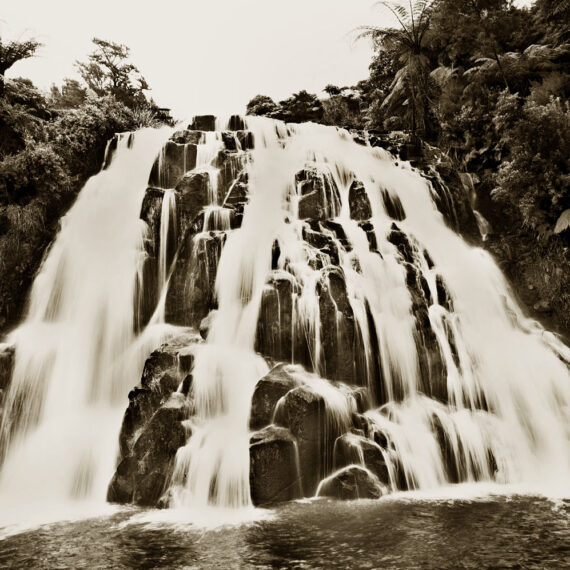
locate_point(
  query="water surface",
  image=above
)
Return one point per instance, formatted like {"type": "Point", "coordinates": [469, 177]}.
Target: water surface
{"type": "Point", "coordinates": [492, 532]}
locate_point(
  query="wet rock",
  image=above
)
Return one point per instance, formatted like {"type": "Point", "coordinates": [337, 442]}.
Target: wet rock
{"type": "Point", "coordinates": [368, 228]}
{"type": "Point", "coordinates": [352, 482]}
{"type": "Point", "coordinates": [187, 137]}
{"type": "Point", "coordinates": [303, 412]}
{"type": "Point", "coordinates": [160, 378]}
{"type": "Point", "coordinates": [164, 433]}
{"type": "Point", "coordinates": [236, 123]}
{"type": "Point", "coordinates": [142, 476]}
{"type": "Point", "coordinates": [358, 202]}
{"type": "Point", "coordinates": [402, 242]}
{"type": "Point", "coordinates": [192, 195]}
{"type": "Point", "coordinates": [274, 476]}
{"type": "Point", "coordinates": [203, 123]}
{"type": "Point", "coordinates": [337, 328]}
{"type": "Point", "coordinates": [7, 358]}
{"type": "Point", "coordinates": [393, 205]}
{"type": "Point", "coordinates": [319, 195]}
{"type": "Point", "coordinates": [246, 140]}
{"type": "Point", "coordinates": [231, 165]}
{"type": "Point", "coordinates": [191, 292]}
{"type": "Point", "coordinates": [268, 391]}
{"type": "Point", "coordinates": [230, 141]}
{"type": "Point", "coordinates": [174, 161]}
{"type": "Point", "coordinates": [351, 449]}
{"type": "Point", "coordinates": [122, 486]}
{"type": "Point", "coordinates": [274, 326]}
{"type": "Point", "coordinates": [206, 323]}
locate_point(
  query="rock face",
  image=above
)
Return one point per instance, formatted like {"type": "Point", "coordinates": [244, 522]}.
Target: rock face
{"type": "Point", "coordinates": [319, 195]}
{"type": "Point", "coordinates": [303, 412]}
{"type": "Point", "coordinates": [359, 204]}
{"type": "Point", "coordinates": [268, 391]}
{"type": "Point", "coordinates": [350, 483]}
{"type": "Point", "coordinates": [153, 427]}
{"type": "Point", "coordinates": [274, 474]}
{"type": "Point", "coordinates": [310, 421]}
{"type": "Point", "coordinates": [7, 357]}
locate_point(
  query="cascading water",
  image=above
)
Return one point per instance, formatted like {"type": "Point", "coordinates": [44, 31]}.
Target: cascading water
{"type": "Point", "coordinates": [372, 289]}
{"type": "Point", "coordinates": [503, 408]}
{"type": "Point", "coordinates": [76, 353]}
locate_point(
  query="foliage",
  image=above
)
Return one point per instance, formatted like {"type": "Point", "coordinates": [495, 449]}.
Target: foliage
{"type": "Point", "coordinates": [535, 178]}
{"type": "Point", "coordinates": [71, 94]}
{"type": "Point", "coordinates": [13, 51]}
{"type": "Point", "coordinates": [108, 71]}
{"type": "Point", "coordinates": [298, 108]}
{"type": "Point", "coordinates": [49, 146]}
{"type": "Point", "coordinates": [261, 105]}
{"type": "Point", "coordinates": [407, 45]}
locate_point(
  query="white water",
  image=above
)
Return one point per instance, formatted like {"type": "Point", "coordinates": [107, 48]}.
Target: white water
{"type": "Point", "coordinates": [76, 353]}
{"type": "Point", "coordinates": [505, 360]}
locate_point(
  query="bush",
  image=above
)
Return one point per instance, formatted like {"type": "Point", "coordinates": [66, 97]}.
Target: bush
{"type": "Point", "coordinates": [37, 171]}
{"type": "Point", "coordinates": [535, 177]}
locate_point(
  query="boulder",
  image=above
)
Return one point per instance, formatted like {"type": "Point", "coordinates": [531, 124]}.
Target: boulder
{"type": "Point", "coordinates": [142, 476]}
{"type": "Point", "coordinates": [351, 448]}
{"type": "Point", "coordinates": [268, 391]}
{"type": "Point", "coordinates": [358, 202]}
{"type": "Point", "coordinates": [160, 378]}
{"type": "Point", "coordinates": [352, 482]}
{"type": "Point", "coordinates": [274, 474]}
{"type": "Point", "coordinates": [304, 413]}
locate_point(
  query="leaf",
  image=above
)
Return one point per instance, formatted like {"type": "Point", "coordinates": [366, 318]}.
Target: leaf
{"type": "Point", "coordinates": [563, 222]}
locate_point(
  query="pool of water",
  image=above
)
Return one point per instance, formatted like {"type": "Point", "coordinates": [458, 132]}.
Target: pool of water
{"type": "Point", "coordinates": [515, 531]}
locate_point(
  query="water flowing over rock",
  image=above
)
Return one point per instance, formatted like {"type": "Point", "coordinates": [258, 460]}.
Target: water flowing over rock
{"type": "Point", "coordinates": [352, 482]}
{"type": "Point", "coordinates": [316, 319]}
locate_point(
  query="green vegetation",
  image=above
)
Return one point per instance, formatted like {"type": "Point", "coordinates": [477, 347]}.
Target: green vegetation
{"type": "Point", "coordinates": [487, 82]}
{"type": "Point", "coordinates": [49, 145]}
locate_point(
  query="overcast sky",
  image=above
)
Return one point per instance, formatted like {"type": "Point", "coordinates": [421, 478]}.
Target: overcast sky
{"type": "Point", "coordinates": [202, 56]}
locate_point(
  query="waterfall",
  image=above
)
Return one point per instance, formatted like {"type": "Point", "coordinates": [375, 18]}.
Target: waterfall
{"type": "Point", "coordinates": [167, 234]}
{"type": "Point", "coordinates": [387, 314]}
{"type": "Point", "coordinates": [76, 353]}
{"type": "Point", "coordinates": [503, 406]}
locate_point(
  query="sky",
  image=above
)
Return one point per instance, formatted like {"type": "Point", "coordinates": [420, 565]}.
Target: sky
{"type": "Point", "coordinates": [202, 56]}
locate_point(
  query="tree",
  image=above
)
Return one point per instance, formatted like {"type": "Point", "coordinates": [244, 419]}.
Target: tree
{"type": "Point", "coordinates": [332, 90]}
{"type": "Point", "coordinates": [301, 107]}
{"type": "Point", "coordinates": [108, 72]}
{"type": "Point", "coordinates": [261, 105]}
{"type": "Point", "coordinates": [11, 52]}
{"type": "Point", "coordinates": [408, 45]}
{"type": "Point", "coordinates": [71, 94]}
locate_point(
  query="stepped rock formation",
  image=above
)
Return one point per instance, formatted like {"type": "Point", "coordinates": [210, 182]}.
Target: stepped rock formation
{"type": "Point", "coordinates": [316, 319]}
{"type": "Point", "coordinates": [332, 364]}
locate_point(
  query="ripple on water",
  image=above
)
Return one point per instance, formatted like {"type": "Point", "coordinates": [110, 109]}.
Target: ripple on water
{"type": "Point", "coordinates": [504, 532]}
